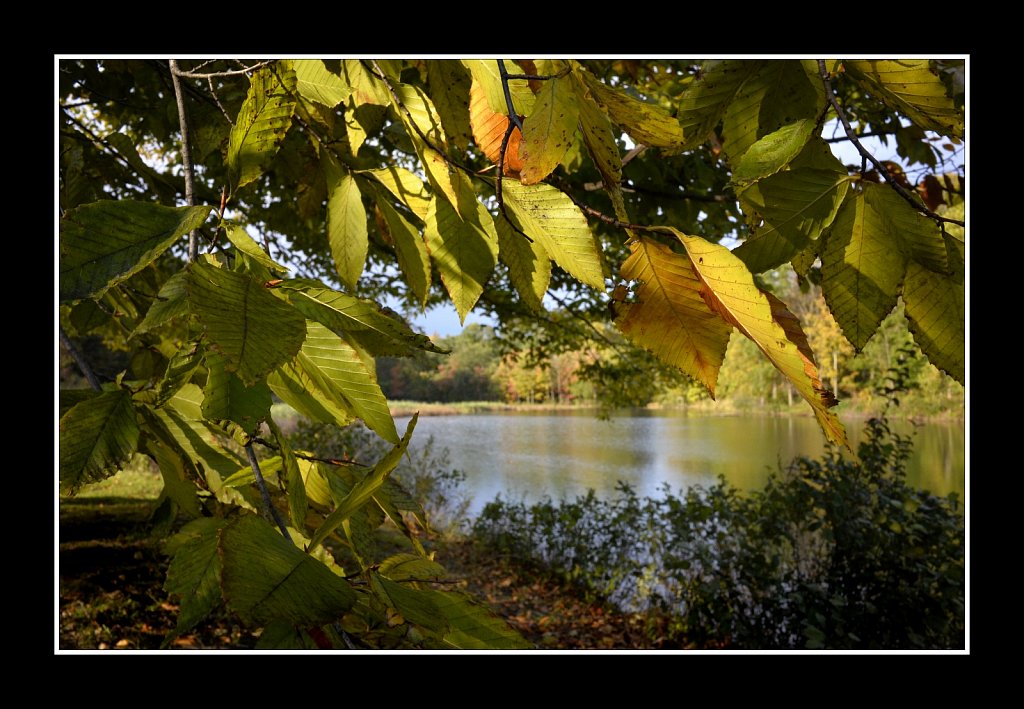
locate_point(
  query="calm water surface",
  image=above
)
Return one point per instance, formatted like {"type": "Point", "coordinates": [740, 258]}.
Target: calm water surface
{"type": "Point", "coordinates": [531, 456]}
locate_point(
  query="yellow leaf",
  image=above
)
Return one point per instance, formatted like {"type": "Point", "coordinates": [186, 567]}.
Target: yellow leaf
{"type": "Point", "coordinates": [670, 317]}
{"type": "Point", "coordinates": [548, 130]}
{"type": "Point", "coordinates": [730, 291]}
{"type": "Point", "coordinates": [911, 87]}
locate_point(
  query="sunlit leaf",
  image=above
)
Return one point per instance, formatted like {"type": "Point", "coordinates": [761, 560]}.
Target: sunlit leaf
{"type": "Point", "coordinates": [346, 222]}
{"type": "Point", "coordinates": [411, 567]}
{"type": "Point", "coordinates": [295, 387]}
{"type": "Point", "coordinates": [405, 186]}
{"type": "Point", "coordinates": [177, 486]}
{"type": "Point", "coordinates": [731, 292]}
{"type": "Point", "coordinates": [448, 83]}
{"type": "Point", "coordinates": [366, 87]}
{"type": "Point", "coordinates": [254, 330]}
{"type": "Point", "coordinates": [106, 242]}
{"type": "Point", "coordinates": [425, 119]}
{"type": "Point", "coordinates": [704, 103]}
{"type": "Point", "coordinates": [362, 320]}
{"type": "Point", "coordinates": [464, 250]}
{"type": "Point", "coordinates": [261, 124]}
{"type": "Point", "coordinates": [861, 267]}
{"type": "Point", "coordinates": [647, 123]}
{"type": "Point", "coordinates": [550, 218]}
{"type": "Point", "coordinates": [97, 439]}
{"type": "Point", "coordinates": [265, 578]}
{"type": "Point", "coordinates": [294, 482]}
{"type": "Point", "coordinates": [912, 88]}
{"type": "Point", "coordinates": [670, 317]}
{"type": "Point", "coordinates": [362, 492]}
{"type": "Point", "coordinates": [171, 302]}
{"type": "Point", "coordinates": [485, 73]}
{"type": "Point", "coordinates": [489, 127]}
{"type": "Point", "coordinates": [529, 266]}
{"type": "Point", "coordinates": [774, 151]}
{"type": "Point", "coordinates": [548, 130]}
{"type": "Point", "coordinates": [919, 237]}
{"type": "Point", "coordinates": [179, 371]}
{"type": "Point", "coordinates": [315, 83]}
{"type": "Point", "coordinates": [473, 626]}
{"type": "Point", "coordinates": [937, 314]}
{"type": "Point", "coordinates": [410, 250]}
{"type": "Point", "coordinates": [241, 240]}
{"type": "Point", "coordinates": [598, 135]}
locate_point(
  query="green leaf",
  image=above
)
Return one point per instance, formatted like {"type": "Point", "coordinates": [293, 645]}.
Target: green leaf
{"type": "Point", "coordinates": [920, 238]}
{"type": "Point", "coordinates": [549, 217]}
{"type": "Point", "coordinates": [912, 88]}
{"type": "Point", "coordinates": [647, 123]}
{"type": "Point", "coordinates": [299, 390]}
{"type": "Point", "coordinates": [796, 205]}
{"type": "Point", "coordinates": [241, 240]}
{"type": "Point", "coordinates": [97, 439]}
{"type": "Point", "coordinates": [410, 249]}
{"type": "Point", "coordinates": [171, 302]}
{"type": "Point", "coordinates": [413, 605]}
{"type": "Point", "coordinates": [106, 242]}
{"type": "Point", "coordinates": [340, 372]}
{"type": "Point", "coordinates": [411, 567]}
{"type": "Point", "coordinates": [670, 317]}
{"type": "Point", "coordinates": [177, 486]}
{"type": "Point", "coordinates": [777, 94]}
{"type": "Point", "coordinates": [180, 368]}
{"type": "Point", "coordinates": [423, 114]}
{"type": "Point", "coordinates": [486, 72]}
{"type": "Point", "coordinates": [464, 250]}
{"type": "Point", "coordinates": [282, 635]}
{"type": "Point", "coordinates": [315, 83]}
{"type": "Point", "coordinates": [254, 330]}
{"type": "Point", "coordinates": [704, 103]}
{"type": "Point", "coordinates": [67, 398]}
{"type": "Point", "coordinates": [262, 122]}
{"type": "Point", "coordinates": [363, 491]}
{"type": "Point", "coordinates": [364, 321]}
{"type": "Point", "coordinates": [774, 151]}
{"type": "Point", "coordinates": [548, 131]}
{"type": "Point", "coordinates": [936, 312]}
{"type": "Point", "coordinates": [366, 88]}
{"type": "Point", "coordinates": [472, 626]}
{"type": "Point", "coordinates": [730, 291]}
{"type": "Point", "coordinates": [405, 186]}
{"type": "Point", "coordinates": [294, 483]}
{"type": "Point", "coordinates": [266, 578]}
{"type": "Point", "coordinates": [448, 83]}
{"type": "Point", "coordinates": [529, 266]}
{"type": "Point", "coordinates": [346, 221]}
{"type": "Point", "coordinates": [194, 573]}
{"type": "Point", "coordinates": [861, 267]}
{"type": "Point", "coordinates": [225, 397]}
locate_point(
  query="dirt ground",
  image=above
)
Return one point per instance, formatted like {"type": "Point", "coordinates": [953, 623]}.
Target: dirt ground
{"type": "Point", "coordinates": [111, 592]}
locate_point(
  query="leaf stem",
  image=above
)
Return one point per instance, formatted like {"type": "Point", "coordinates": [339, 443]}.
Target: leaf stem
{"type": "Point", "coordinates": [186, 156]}
{"type": "Point", "coordinates": [269, 511]}
{"type": "Point", "coordinates": [882, 170]}
{"type": "Point", "coordinates": [80, 360]}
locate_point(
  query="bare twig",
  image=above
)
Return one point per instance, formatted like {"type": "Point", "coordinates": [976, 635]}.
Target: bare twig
{"type": "Point", "coordinates": [186, 158]}
{"type": "Point", "coordinates": [217, 74]}
{"type": "Point", "coordinates": [269, 511]}
{"type": "Point", "coordinates": [80, 360]}
{"type": "Point", "coordinates": [512, 115]}
{"type": "Point", "coordinates": [900, 190]}
{"type": "Point", "coordinates": [219, 105]}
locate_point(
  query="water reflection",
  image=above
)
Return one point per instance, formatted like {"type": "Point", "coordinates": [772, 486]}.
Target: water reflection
{"type": "Point", "coordinates": [531, 456]}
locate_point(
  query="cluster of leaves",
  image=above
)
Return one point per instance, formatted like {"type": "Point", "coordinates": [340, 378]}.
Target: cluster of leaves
{"type": "Point", "coordinates": [834, 553]}
{"type": "Point", "coordinates": [364, 152]}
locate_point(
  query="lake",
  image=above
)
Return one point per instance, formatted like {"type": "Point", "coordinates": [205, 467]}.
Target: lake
{"type": "Point", "coordinates": [530, 456]}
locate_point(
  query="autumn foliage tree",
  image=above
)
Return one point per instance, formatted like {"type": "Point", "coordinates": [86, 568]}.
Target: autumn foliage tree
{"type": "Point", "coordinates": [235, 227]}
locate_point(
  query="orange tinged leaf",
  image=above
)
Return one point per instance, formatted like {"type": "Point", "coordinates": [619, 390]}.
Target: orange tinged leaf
{"type": "Point", "coordinates": [489, 130]}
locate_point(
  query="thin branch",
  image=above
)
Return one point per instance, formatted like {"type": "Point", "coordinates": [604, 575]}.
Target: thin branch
{"type": "Point", "coordinates": [900, 190]}
{"type": "Point", "coordinates": [217, 74]}
{"type": "Point", "coordinates": [80, 360]}
{"type": "Point", "coordinates": [269, 511]}
{"type": "Point", "coordinates": [219, 105]}
{"type": "Point", "coordinates": [538, 77]}
{"type": "Point", "coordinates": [512, 115]}
{"type": "Point", "coordinates": [186, 158]}
{"type": "Point", "coordinates": [869, 134]}
{"type": "Point", "coordinates": [304, 456]}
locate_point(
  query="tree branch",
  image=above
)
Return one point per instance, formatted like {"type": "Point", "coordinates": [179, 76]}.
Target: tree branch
{"type": "Point", "coordinates": [175, 71]}
{"type": "Point", "coordinates": [80, 360]}
{"type": "Point", "coordinates": [269, 511]}
{"type": "Point", "coordinates": [329, 461]}
{"type": "Point", "coordinates": [512, 115]}
{"type": "Point", "coordinates": [186, 158]}
{"type": "Point", "coordinates": [900, 190]}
